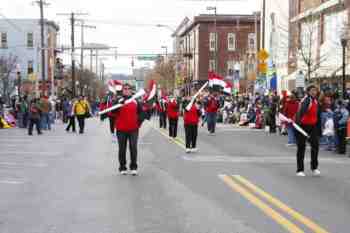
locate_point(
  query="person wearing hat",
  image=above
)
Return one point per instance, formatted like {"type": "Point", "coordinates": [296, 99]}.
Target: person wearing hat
{"type": "Point", "coordinates": [308, 118]}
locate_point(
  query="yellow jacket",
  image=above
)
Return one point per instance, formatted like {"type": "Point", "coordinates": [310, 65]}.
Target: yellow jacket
{"type": "Point", "coordinates": [81, 108]}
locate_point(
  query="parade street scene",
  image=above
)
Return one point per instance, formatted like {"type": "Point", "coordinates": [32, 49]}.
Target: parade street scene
{"type": "Point", "coordinates": [175, 116]}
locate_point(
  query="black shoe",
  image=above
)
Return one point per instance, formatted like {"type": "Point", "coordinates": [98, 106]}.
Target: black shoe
{"type": "Point", "coordinates": [40, 133]}
{"type": "Point", "coordinates": [30, 134]}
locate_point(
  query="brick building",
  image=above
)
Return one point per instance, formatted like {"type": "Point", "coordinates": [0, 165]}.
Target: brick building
{"type": "Point", "coordinates": [316, 28]}
{"type": "Point", "coordinates": [234, 48]}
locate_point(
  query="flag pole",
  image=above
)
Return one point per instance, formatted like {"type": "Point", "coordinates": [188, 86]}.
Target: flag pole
{"type": "Point", "coordinates": [189, 106]}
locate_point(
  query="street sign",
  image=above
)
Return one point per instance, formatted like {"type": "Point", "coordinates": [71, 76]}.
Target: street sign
{"type": "Point", "coordinates": [300, 80]}
{"type": "Point", "coordinates": [263, 67]}
{"type": "Point", "coordinates": [147, 58]}
{"type": "Point", "coordinates": [263, 55]}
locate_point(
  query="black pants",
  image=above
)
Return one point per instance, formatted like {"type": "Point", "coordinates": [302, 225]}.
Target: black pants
{"type": "Point", "coordinates": [123, 138]}
{"type": "Point", "coordinates": [173, 128]}
{"type": "Point", "coordinates": [81, 121]}
{"type": "Point", "coordinates": [111, 124]}
{"type": "Point", "coordinates": [191, 132]}
{"type": "Point", "coordinates": [162, 120]}
{"type": "Point", "coordinates": [341, 133]}
{"type": "Point", "coordinates": [71, 123]}
{"type": "Point", "coordinates": [33, 122]}
{"type": "Point", "coordinates": [301, 143]}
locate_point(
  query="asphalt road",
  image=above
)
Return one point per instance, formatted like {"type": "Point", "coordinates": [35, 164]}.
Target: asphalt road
{"type": "Point", "coordinates": [241, 181]}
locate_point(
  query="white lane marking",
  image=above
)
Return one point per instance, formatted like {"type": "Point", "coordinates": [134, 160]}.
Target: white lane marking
{"type": "Point", "coordinates": [11, 182]}
{"type": "Point", "coordinates": [37, 165]}
{"type": "Point", "coordinates": [14, 153]}
{"type": "Point", "coordinates": [267, 160]}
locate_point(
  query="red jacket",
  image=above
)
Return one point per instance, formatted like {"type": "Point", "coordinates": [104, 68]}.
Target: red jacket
{"type": "Point", "coordinates": [291, 109]}
{"type": "Point", "coordinates": [311, 115]}
{"type": "Point", "coordinates": [126, 119]}
{"type": "Point", "coordinates": [173, 110]}
{"type": "Point", "coordinates": [192, 117]}
{"type": "Point", "coordinates": [212, 105]}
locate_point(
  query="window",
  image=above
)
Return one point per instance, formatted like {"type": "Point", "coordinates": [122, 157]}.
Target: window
{"type": "Point", "coordinates": [30, 69]}
{"type": "Point", "coordinates": [212, 41]}
{"type": "Point", "coordinates": [230, 67]}
{"type": "Point", "coordinates": [3, 42]}
{"type": "Point", "coordinates": [30, 40]}
{"type": "Point", "coordinates": [231, 41]}
{"type": "Point", "coordinates": [212, 65]}
{"type": "Point", "coordinates": [251, 42]}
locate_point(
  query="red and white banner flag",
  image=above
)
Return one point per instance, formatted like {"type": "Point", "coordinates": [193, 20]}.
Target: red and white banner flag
{"type": "Point", "coordinates": [216, 80]}
{"type": "Point", "coordinates": [151, 91]}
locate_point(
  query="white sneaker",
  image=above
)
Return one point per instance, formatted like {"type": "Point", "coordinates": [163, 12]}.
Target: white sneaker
{"type": "Point", "coordinates": [194, 150]}
{"type": "Point", "coordinates": [124, 173]}
{"type": "Point", "coordinates": [133, 172]}
{"type": "Point", "coordinates": [301, 174]}
{"type": "Point", "coordinates": [316, 172]}
{"type": "Point", "coordinates": [188, 150]}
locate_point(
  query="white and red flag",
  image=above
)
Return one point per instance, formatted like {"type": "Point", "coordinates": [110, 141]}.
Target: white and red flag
{"type": "Point", "coordinates": [228, 88]}
{"type": "Point", "coordinates": [216, 80]}
{"type": "Point", "coordinates": [150, 97]}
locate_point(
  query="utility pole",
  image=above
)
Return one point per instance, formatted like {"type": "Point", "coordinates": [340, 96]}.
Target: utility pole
{"type": "Point", "coordinates": [83, 25]}
{"type": "Point", "coordinates": [72, 21]}
{"type": "Point", "coordinates": [263, 24]}
{"type": "Point", "coordinates": [41, 4]}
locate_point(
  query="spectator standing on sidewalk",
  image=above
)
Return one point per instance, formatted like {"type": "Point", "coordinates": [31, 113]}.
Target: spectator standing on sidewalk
{"type": "Point", "coordinates": [34, 117]}
{"type": "Point", "coordinates": [341, 116]}
{"type": "Point", "coordinates": [70, 116]}
{"type": "Point", "coordinates": [46, 108]}
{"type": "Point", "coordinates": [81, 110]}
{"type": "Point", "coordinates": [309, 119]}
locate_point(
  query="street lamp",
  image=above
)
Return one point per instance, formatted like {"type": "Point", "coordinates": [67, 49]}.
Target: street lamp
{"type": "Point", "coordinates": [18, 68]}
{"type": "Point", "coordinates": [344, 42]}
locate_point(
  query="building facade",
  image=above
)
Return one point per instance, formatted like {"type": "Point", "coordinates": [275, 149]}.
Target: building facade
{"type": "Point", "coordinates": [315, 51]}
{"type": "Point", "coordinates": [20, 38]}
{"type": "Point", "coordinates": [225, 44]}
{"type": "Point", "coordinates": [277, 42]}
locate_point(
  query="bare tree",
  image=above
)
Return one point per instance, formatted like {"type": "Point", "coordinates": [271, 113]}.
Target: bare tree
{"type": "Point", "coordinates": [308, 51]}
{"type": "Point", "coordinates": [7, 66]}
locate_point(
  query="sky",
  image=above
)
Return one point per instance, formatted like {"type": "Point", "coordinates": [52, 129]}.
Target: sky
{"type": "Point", "coordinates": [129, 25]}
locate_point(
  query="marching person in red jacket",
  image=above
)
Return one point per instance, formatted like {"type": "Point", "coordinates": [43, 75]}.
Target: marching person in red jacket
{"type": "Point", "coordinates": [290, 110]}
{"type": "Point", "coordinates": [211, 107]}
{"type": "Point", "coordinates": [128, 120]}
{"type": "Point", "coordinates": [308, 117]}
{"type": "Point", "coordinates": [191, 120]}
{"type": "Point", "coordinates": [173, 115]}
{"type": "Point", "coordinates": [162, 108]}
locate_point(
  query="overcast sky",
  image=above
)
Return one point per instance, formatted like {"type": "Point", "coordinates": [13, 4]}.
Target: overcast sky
{"type": "Point", "coordinates": [127, 24]}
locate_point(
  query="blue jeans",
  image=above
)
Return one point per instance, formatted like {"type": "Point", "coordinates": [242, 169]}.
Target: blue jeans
{"type": "Point", "coordinates": [211, 119]}
{"type": "Point", "coordinates": [291, 134]}
{"type": "Point", "coordinates": [45, 121]}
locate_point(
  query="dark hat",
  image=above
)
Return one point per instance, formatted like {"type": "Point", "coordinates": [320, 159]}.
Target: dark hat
{"type": "Point", "coordinates": [310, 87]}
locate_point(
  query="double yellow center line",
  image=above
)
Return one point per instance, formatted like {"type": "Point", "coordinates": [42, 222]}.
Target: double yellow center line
{"type": "Point", "coordinates": [247, 190]}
